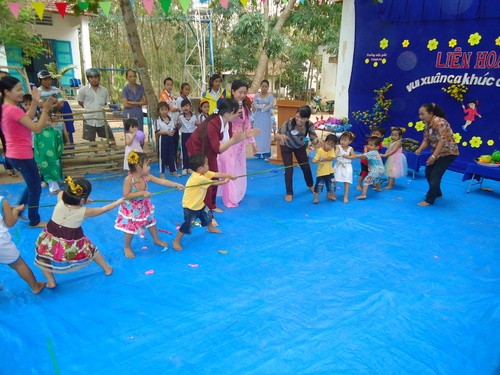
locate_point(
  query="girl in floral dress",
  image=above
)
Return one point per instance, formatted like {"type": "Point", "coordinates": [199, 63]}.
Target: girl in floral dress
{"type": "Point", "coordinates": [137, 212]}
{"type": "Point", "coordinates": [62, 247]}
{"type": "Point", "coordinates": [396, 165]}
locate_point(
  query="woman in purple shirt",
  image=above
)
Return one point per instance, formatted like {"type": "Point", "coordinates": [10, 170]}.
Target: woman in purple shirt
{"type": "Point", "coordinates": [133, 98]}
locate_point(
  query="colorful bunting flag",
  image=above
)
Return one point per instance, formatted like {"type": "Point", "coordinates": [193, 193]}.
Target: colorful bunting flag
{"type": "Point", "coordinates": [244, 2]}
{"type": "Point", "coordinates": [149, 4]}
{"type": "Point", "coordinates": [83, 5]}
{"type": "Point", "coordinates": [224, 3]}
{"type": "Point", "coordinates": [14, 9]}
{"type": "Point", "coordinates": [105, 7]}
{"type": "Point", "coordinates": [184, 5]}
{"type": "Point", "coordinates": [165, 4]}
{"type": "Point", "coordinates": [39, 8]}
{"type": "Point", "coordinates": [61, 8]}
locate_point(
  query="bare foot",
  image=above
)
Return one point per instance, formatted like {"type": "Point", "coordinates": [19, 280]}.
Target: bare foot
{"type": "Point", "coordinates": [215, 223]}
{"type": "Point", "coordinates": [161, 243]}
{"type": "Point", "coordinates": [316, 199]}
{"type": "Point", "coordinates": [108, 270]}
{"type": "Point", "coordinates": [424, 204]}
{"type": "Point", "coordinates": [218, 210]}
{"type": "Point", "coordinates": [361, 197]}
{"type": "Point", "coordinates": [288, 198]}
{"type": "Point", "coordinates": [377, 189]}
{"type": "Point", "coordinates": [177, 246]}
{"type": "Point", "coordinates": [389, 187]}
{"type": "Point", "coordinates": [39, 287]}
{"type": "Point", "coordinates": [359, 187]}
{"type": "Point", "coordinates": [331, 197]}
{"type": "Point", "coordinates": [311, 188]}
{"type": "Point", "coordinates": [128, 252]}
{"type": "Point", "coordinates": [214, 230]}
{"type": "Point", "coordinates": [51, 285]}
{"type": "Point", "coordinates": [346, 200]}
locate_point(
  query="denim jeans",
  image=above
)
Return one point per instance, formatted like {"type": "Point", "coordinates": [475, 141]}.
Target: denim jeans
{"type": "Point", "coordinates": [31, 195]}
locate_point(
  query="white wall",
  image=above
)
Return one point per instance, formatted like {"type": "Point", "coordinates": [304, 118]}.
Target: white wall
{"type": "Point", "coordinates": [3, 56]}
{"type": "Point", "coordinates": [328, 75]}
{"type": "Point", "coordinates": [345, 59]}
{"type": "Point", "coordinates": [64, 29]}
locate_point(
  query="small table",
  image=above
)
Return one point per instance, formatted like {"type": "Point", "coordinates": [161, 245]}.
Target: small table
{"type": "Point", "coordinates": [479, 172]}
{"type": "Point", "coordinates": [415, 161]}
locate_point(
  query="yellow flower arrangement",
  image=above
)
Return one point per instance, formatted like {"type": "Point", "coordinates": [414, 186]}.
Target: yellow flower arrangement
{"type": "Point", "coordinates": [474, 39]}
{"type": "Point", "coordinates": [452, 43]}
{"type": "Point", "coordinates": [75, 188]}
{"type": "Point", "coordinates": [457, 137]}
{"type": "Point", "coordinates": [384, 43]}
{"type": "Point", "coordinates": [432, 44]}
{"type": "Point", "coordinates": [405, 43]}
{"type": "Point", "coordinates": [133, 158]}
{"type": "Point", "coordinates": [490, 142]}
{"type": "Point", "coordinates": [497, 41]}
{"type": "Point", "coordinates": [410, 124]}
{"type": "Point", "coordinates": [456, 91]}
{"type": "Point", "coordinates": [476, 142]}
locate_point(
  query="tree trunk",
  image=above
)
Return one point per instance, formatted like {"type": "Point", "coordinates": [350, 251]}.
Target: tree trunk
{"type": "Point", "coordinates": [261, 69]}
{"type": "Point", "coordinates": [141, 65]}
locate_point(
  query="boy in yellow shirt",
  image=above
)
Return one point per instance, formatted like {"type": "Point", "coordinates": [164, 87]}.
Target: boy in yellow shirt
{"type": "Point", "coordinates": [324, 176]}
{"type": "Point", "coordinates": [194, 194]}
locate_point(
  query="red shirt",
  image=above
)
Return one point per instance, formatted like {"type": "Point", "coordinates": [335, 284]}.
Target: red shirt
{"type": "Point", "coordinates": [210, 143]}
{"type": "Point", "coordinates": [18, 137]}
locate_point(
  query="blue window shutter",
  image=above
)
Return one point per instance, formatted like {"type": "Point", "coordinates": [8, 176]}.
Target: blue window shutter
{"type": "Point", "coordinates": [14, 58]}
{"type": "Point", "coordinates": [64, 58]}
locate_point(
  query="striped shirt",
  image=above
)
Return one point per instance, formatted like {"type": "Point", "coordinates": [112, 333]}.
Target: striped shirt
{"type": "Point", "coordinates": [296, 137]}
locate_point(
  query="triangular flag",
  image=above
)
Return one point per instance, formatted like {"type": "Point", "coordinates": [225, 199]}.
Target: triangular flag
{"type": "Point", "coordinates": [224, 3]}
{"type": "Point", "coordinates": [39, 9]}
{"type": "Point", "coordinates": [244, 2]}
{"type": "Point", "coordinates": [203, 1]}
{"type": "Point", "coordinates": [303, 1]}
{"type": "Point", "coordinates": [61, 8]}
{"type": "Point", "coordinates": [149, 4]}
{"type": "Point", "coordinates": [83, 5]}
{"type": "Point", "coordinates": [105, 6]}
{"type": "Point", "coordinates": [263, 1]}
{"type": "Point", "coordinates": [165, 4]}
{"type": "Point", "coordinates": [184, 5]}
{"type": "Point", "coordinates": [15, 8]}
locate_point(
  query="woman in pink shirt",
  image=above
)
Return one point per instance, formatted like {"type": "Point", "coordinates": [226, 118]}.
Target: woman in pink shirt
{"type": "Point", "coordinates": [17, 127]}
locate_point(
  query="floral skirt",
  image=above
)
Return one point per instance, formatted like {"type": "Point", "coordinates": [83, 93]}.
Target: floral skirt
{"type": "Point", "coordinates": [135, 215]}
{"type": "Point", "coordinates": [56, 253]}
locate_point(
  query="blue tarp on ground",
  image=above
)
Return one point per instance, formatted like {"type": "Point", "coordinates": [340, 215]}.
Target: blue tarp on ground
{"type": "Point", "coordinates": [380, 286]}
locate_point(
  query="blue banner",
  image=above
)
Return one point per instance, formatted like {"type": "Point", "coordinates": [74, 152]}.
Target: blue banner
{"type": "Point", "coordinates": [432, 51]}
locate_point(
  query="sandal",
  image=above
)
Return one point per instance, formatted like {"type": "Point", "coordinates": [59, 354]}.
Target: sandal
{"type": "Point", "coordinates": [12, 174]}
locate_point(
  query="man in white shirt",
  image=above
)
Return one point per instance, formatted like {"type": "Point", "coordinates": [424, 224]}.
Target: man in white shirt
{"type": "Point", "coordinates": [94, 97]}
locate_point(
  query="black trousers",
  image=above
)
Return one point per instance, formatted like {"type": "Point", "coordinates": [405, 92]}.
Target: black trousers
{"type": "Point", "coordinates": [434, 173]}
{"type": "Point", "coordinates": [301, 156]}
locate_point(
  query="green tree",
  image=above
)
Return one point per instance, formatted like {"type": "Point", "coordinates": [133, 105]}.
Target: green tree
{"type": "Point", "coordinates": [15, 32]}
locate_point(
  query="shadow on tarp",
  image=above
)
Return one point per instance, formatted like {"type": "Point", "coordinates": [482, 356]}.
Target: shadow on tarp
{"type": "Point", "coordinates": [377, 286]}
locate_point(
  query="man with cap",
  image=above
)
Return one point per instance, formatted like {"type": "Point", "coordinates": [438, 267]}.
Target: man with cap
{"type": "Point", "coordinates": [94, 97]}
{"type": "Point", "coordinates": [48, 91]}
